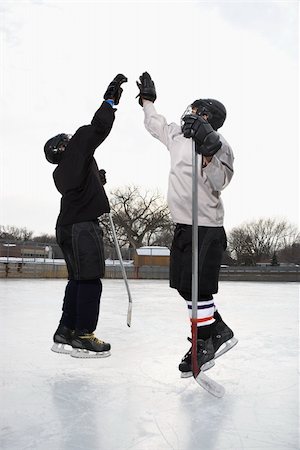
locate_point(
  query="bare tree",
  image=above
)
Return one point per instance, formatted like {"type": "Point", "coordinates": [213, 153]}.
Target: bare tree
{"type": "Point", "coordinates": [165, 237]}
{"type": "Point", "coordinates": [290, 254]}
{"type": "Point", "coordinates": [257, 240]}
{"type": "Point", "coordinates": [10, 232]}
{"type": "Point", "coordinates": [140, 218]}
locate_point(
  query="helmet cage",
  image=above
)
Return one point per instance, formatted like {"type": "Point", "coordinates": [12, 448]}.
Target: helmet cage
{"type": "Point", "coordinates": [196, 110]}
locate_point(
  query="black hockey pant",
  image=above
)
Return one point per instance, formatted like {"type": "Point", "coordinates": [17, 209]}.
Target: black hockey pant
{"type": "Point", "coordinates": [82, 247]}
{"type": "Point", "coordinates": [81, 305]}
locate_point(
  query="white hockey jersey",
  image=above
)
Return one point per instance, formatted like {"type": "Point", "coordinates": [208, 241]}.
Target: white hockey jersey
{"type": "Point", "coordinates": [211, 180]}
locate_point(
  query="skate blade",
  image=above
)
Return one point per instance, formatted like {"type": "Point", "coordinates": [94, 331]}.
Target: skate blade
{"type": "Point", "coordinates": [205, 367]}
{"type": "Point", "coordinates": [83, 353]}
{"type": "Point", "coordinates": [186, 374]}
{"type": "Point", "coordinates": [226, 346]}
{"type": "Point", "coordinates": [60, 348]}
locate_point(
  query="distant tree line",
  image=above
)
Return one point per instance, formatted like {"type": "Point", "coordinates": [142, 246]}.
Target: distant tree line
{"type": "Point", "coordinates": [12, 233]}
{"type": "Point", "coordinates": [264, 240]}
{"type": "Point", "coordinates": [143, 218]}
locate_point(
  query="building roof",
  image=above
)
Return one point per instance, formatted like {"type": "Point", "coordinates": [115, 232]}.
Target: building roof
{"type": "Point", "coordinates": [153, 251]}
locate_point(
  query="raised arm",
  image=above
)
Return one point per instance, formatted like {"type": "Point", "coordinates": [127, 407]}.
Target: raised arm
{"type": "Point", "coordinates": [104, 117]}
{"type": "Point", "coordinates": [155, 123]}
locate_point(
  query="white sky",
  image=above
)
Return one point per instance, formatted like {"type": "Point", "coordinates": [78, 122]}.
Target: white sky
{"type": "Point", "coordinates": [57, 58]}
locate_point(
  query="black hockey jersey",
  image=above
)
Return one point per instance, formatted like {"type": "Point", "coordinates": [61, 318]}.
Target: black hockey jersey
{"type": "Point", "coordinates": [77, 175]}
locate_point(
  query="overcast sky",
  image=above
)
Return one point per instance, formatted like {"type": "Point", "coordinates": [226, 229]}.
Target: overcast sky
{"type": "Point", "coordinates": [57, 58]}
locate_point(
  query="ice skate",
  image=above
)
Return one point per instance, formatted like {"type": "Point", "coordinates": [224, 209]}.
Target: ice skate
{"type": "Point", "coordinates": [205, 355]}
{"type": "Point", "coordinates": [62, 340]}
{"type": "Point", "coordinates": [87, 345]}
{"type": "Point", "coordinates": [222, 338]}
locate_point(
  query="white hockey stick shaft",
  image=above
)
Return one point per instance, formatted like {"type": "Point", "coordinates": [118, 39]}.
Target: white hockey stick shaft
{"type": "Point", "coordinates": [195, 262]}
{"type": "Point", "coordinates": [194, 231]}
{"type": "Point", "coordinates": [129, 312]}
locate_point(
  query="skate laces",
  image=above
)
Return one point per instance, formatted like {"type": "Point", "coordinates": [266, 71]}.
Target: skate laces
{"type": "Point", "coordinates": [92, 337]}
{"type": "Point", "coordinates": [188, 354]}
{"type": "Point", "coordinates": [200, 348]}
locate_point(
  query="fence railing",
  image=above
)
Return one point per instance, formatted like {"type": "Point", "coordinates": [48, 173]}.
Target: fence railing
{"type": "Point", "coordinates": [48, 251]}
{"type": "Point", "coordinates": [45, 268]}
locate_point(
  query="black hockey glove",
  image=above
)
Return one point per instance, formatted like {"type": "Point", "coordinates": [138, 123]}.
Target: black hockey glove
{"type": "Point", "coordinates": [147, 88]}
{"type": "Point", "coordinates": [114, 90]}
{"type": "Point", "coordinates": [206, 138]}
{"type": "Point", "coordinates": [190, 123]}
{"type": "Point", "coordinates": [102, 176]}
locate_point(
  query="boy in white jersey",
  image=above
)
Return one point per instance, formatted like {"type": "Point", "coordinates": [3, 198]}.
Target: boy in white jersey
{"type": "Point", "coordinates": [200, 122]}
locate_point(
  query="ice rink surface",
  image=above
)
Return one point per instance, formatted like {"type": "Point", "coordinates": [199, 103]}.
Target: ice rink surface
{"type": "Point", "coordinates": [135, 399]}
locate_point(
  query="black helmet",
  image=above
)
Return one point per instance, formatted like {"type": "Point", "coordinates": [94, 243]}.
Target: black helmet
{"type": "Point", "coordinates": [55, 147]}
{"type": "Point", "coordinates": [214, 109]}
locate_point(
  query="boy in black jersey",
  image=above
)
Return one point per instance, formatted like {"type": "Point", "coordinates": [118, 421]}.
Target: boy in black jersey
{"type": "Point", "coordinates": [78, 233]}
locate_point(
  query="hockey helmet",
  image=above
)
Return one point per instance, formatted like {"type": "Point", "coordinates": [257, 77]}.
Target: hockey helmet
{"type": "Point", "coordinates": [215, 111]}
{"type": "Point", "coordinates": [55, 147]}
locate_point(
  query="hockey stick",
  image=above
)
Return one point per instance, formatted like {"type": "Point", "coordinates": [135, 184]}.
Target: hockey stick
{"type": "Point", "coordinates": [129, 312]}
{"type": "Point", "coordinates": [203, 380]}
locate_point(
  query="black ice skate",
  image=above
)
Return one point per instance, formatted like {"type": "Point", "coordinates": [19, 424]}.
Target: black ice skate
{"type": "Point", "coordinates": [222, 334]}
{"type": "Point", "coordinates": [62, 340]}
{"type": "Point", "coordinates": [205, 355]}
{"type": "Point", "coordinates": [87, 345]}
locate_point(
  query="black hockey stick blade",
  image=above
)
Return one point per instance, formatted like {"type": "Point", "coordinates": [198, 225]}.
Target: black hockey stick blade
{"type": "Point", "coordinates": [210, 385]}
